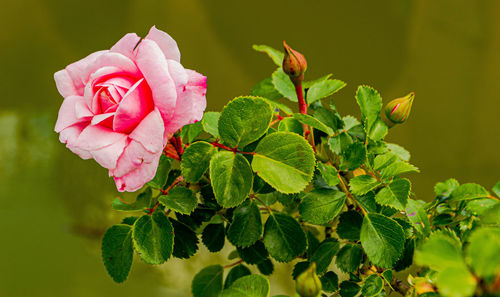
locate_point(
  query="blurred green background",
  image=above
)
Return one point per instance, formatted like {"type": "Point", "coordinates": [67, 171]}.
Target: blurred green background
{"type": "Point", "coordinates": [54, 206]}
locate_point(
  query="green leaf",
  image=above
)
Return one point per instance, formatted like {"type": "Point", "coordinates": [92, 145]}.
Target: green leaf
{"type": "Point", "coordinates": [248, 286]}
{"type": "Point", "coordinates": [276, 55]}
{"type": "Point", "coordinates": [265, 88]}
{"type": "Point", "coordinates": [284, 85]}
{"type": "Point", "coordinates": [372, 285]}
{"type": "Point", "coordinates": [231, 177]}
{"type": "Point", "coordinates": [142, 202]}
{"type": "Point", "coordinates": [399, 151]}
{"type": "Point", "coordinates": [483, 252]}
{"type": "Point", "coordinates": [266, 267]}
{"type": "Point", "coordinates": [406, 259]}
{"type": "Point", "coordinates": [208, 282]}
{"type": "Point", "coordinates": [290, 125]}
{"type": "Point", "coordinates": [185, 240]}
{"type": "Point", "coordinates": [299, 268]}
{"type": "Point", "coordinates": [382, 239]}
{"type": "Point", "coordinates": [468, 192]}
{"type": "Point", "coordinates": [370, 103]}
{"type": "Point", "coordinates": [354, 156]}
{"type": "Point", "coordinates": [417, 215]}
{"type": "Point", "coordinates": [387, 276]}
{"type": "Point", "coordinates": [397, 168]}
{"type": "Point", "coordinates": [196, 160]}
{"type": "Point", "coordinates": [179, 199]}
{"type": "Point", "coordinates": [378, 130]}
{"type": "Point", "coordinates": [213, 237]}
{"type": "Point", "coordinates": [244, 120]}
{"type": "Point", "coordinates": [324, 254]}
{"type": "Point", "coordinates": [395, 194]}
{"type": "Point", "coordinates": [384, 160]}
{"type": "Point", "coordinates": [158, 182]}
{"type": "Point", "coordinates": [235, 273]}
{"type": "Point", "coordinates": [320, 206]}
{"type": "Point", "coordinates": [153, 237]}
{"type": "Point", "coordinates": [339, 143]}
{"type": "Point", "coordinates": [285, 161]}
{"type": "Point", "coordinates": [349, 226]}
{"type": "Point", "coordinates": [363, 184]}
{"type": "Point", "coordinates": [254, 254]}
{"type": "Point", "coordinates": [328, 117]}
{"type": "Point", "coordinates": [210, 123]}
{"type": "Point", "coordinates": [191, 131]}
{"type": "Point", "coordinates": [456, 282]}
{"type": "Point", "coordinates": [312, 243]}
{"type": "Point", "coordinates": [117, 251]}
{"type": "Point", "coordinates": [349, 289]}
{"type": "Point", "coordinates": [496, 189]}
{"type": "Point", "coordinates": [277, 106]}
{"type": "Point", "coordinates": [284, 237]}
{"type": "Point", "coordinates": [367, 202]}
{"type": "Point", "coordinates": [308, 84]}
{"type": "Point", "coordinates": [246, 227]}
{"type": "Point", "coordinates": [329, 174]}
{"type": "Point", "coordinates": [349, 257]}
{"type": "Point", "coordinates": [330, 282]}
{"type": "Point", "coordinates": [312, 122]}
{"type": "Point", "coordinates": [440, 251]}
{"type": "Point", "coordinates": [324, 89]}
{"type": "Point", "coordinates": [446, 188]}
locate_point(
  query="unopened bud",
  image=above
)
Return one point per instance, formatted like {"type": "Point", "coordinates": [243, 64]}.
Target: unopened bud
{"type": "Point", "coordinates": [308, 283]}
{"type": "Point", "coordinates": [398, 110]}
{"type": "Point", "coordinates": [294, 64]}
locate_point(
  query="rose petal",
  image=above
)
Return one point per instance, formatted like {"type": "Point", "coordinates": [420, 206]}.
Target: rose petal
{"type": "Point", "coordinates": [65, 84]}
{"type": "Point", "coordinates": [126, 45]}
{"type": "Point", "coordinates": [166, 43]}
{"type": "Point", "coordinates": [67, 115]}
{"type": "Point", "coordinates": [115, 60]}
{"type": "Point", "coordinates": [190, 105]}
{"type": "Point", "coordinates": [178, 73]}
{"type": "Point", "coordinates": [82, 111]}
{"type": "Point", "coordinates": [101, 117]}
{"type": "Point", "coordinates": [69, 136]}
{"type": "Point", "coordinates": [150, 132]}
{"type": "Point", "coordinates": [108, 156]}
{"type": "Point", "coordinates": [134, 180]}
{"type": "Point", "coordinates": [135, 105]}
{"type": "Point", "coordinates": [134, 155]}
{"type": "Point", "coordinates": [154, 67]}
{"type": "Point", "coordinates": [96, 137]}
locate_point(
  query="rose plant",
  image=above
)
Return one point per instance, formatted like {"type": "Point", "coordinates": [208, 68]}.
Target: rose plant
{"type": "Point", "coordinates": [319, 190]}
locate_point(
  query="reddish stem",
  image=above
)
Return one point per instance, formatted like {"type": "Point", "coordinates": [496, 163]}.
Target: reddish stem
{"type": "Point", "coordinates": [300, 96]}
{"type": "Point", "coordinates": [231, 149]}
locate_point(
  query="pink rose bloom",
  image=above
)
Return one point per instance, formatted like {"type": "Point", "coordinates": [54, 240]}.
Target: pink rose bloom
{"type": "Point", "coordinates": [122, 105]}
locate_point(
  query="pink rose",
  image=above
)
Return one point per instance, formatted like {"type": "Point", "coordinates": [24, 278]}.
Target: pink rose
{"type": "Point", "coordinates": [122, 105]}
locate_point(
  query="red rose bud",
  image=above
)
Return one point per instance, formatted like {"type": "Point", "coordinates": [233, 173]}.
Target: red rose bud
{"type": "Point", "coordinates": [294, 64]}
{"type": "Point", "coordinates": [398, 110]}
{"type": "Point", "coordinates": [308, 283]}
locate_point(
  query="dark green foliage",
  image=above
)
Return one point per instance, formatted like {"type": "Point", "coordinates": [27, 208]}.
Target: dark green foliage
{"type": "Point", "coordinates": [213, 237]}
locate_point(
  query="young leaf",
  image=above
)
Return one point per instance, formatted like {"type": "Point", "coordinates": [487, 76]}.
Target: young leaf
{"type": "Point", "coordinates": [496, 189]}
{"type": "Point", "coordinates": [354, 156]}
{"type": "Point", "coordinates": [213, 237]}
{"type": "Point", "coordinates": [370, 103]}
{"type": "Point", "coordinates": [446, 188]}
{"type": "Point", "coordinates": [312, 122]}
{"type": "Point", "coordinates": [248, 286]}
{"type": "Point", "coordinates": [339, 143]}
{"type": "Point", "coordinates": [382, 239]}
{"type": "Point", "coordinates": [208, 282]}
{"type": "Point", "coordinates": [161, 173]}
{"type": "Point", "coordinates": [253, 254]}
{"type": "Point", "coordinates": [195, 160]}
{"type": "Point", "coordinates": [185, 240]}
{"type": "Point", "coordinates": [363, 184]}
{"type": "Point", "coordinates": [284, 237]}
{"type": "Point", "coordinates": [324, 254]}
{"type": "Point", "coordinates": [372, 286]}
{"type": "Point", "coordinates": [290, 125]}
{"type": "Point", "coordinates": [210, 123]}
{"type": "Point", "coordinates": [153, 237]}
{"type": "Point", "coordinates": [330, 282]}
{"type": "Point", "coordinates": [265, 88]}
{"type": "Point", "coordinates": [397, 168]}
{"type": "Point", "coordinates": [308, 84]}
{"type": "Point", "coordinates": [244, 120]}
{"type": "Point", "coordinates": [321, 205]}
{"type": "Point", "coordinates": [395, 194]}
{"type": "Point", "coordinates": [246, 227]}
{"type": "Point", "coordinates": [418, 217]}
{"type": "Point", "coordinates": [349, 226]}
{"type": "Point", "coordinates": [191, 131]}
{"type": "Point", "coordinates": [117, 251]}
{"type": "Point", "coordinates": [349, 257]}
{"type": "Point", "coordinates": [378, 130]}
{"type": "Point", "coordinates": [285, 161]}
{"type": "Point", "coordinates": [179, 199]}
{"type": "Point", "coordinates": [284, 85]}
{"type": "Point", "coordinates": [329, 174]}
{"type": "Point", "coordinates": [231, 178]}
{"type": "Point", "coordinates": [235, 273]}
{"type": "Point", "coordinates": [323, 89]}
{"type": "Point", "coordinates": [143, 200]}
{"type": "Point", "coordinates": [276, 55]}
{"type": "Point", "coordinates": [440, 251]}
{"type": "Point", "coordinates": [399, 151]}
{"type": "Point", "coordinates": [331, 118]}
{"type": "Point", "coordinates": [468, 192]}
{"type": "Point", "coordinates": [483, 252]}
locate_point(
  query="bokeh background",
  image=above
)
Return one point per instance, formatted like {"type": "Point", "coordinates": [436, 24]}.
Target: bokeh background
{"type": "Point", "coordinates": [54, 207]}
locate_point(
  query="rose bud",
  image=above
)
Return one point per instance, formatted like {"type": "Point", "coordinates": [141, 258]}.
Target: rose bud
{"type": "Point", "coordinates": [398, 110]}
{"type": "Point", "coordinates": [294, 64]}
{"type": "Point", "coordinates": [308, 283]}
{"type": "Point", "coordinates": [122, 105]}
